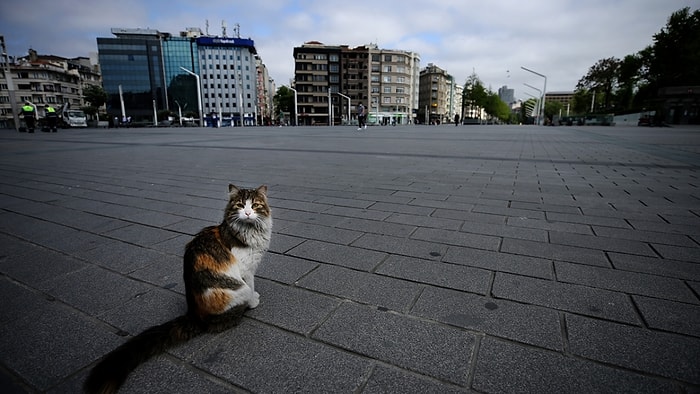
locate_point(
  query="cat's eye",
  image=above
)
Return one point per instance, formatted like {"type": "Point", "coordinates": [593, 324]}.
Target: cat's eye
{"type": "Point", "coordinates": [238, 205]}
{"type": "Point", "coordinates": [257, 206]}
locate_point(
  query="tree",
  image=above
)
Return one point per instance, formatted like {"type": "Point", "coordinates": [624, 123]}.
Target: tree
{"type": "Point", "coordinates": [474, 96]}
{"type": "Point", "coordinates": [602, 77]}
{"type": "Point", "coordinates": [284, 100]}
{"type": "Point", "coordinates": [96, 97]}
{"type": "Point", "coordinates": [675, 54]}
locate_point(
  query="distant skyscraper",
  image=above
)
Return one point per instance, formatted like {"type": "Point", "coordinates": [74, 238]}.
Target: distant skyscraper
{"type": "Point", "coordinates": [506, 95]}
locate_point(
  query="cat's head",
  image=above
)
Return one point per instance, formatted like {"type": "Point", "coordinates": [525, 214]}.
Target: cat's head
{"type": "Point", "coordinates": [247, 206]}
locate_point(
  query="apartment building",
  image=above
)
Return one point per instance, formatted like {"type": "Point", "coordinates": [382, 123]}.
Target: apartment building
{"type": "Point", "coordinates": [437, 91]}
{"type": "Point", "coordinates": [331, 80]}
{"type": "Point", "coordinates": [44, 80]}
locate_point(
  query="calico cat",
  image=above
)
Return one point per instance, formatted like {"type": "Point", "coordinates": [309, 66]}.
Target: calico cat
{"type": "Point", "coordinates": [218, 271]}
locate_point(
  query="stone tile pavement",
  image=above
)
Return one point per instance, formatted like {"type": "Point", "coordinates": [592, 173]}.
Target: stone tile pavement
{"type": "Point", "coordinates": [404, 259]}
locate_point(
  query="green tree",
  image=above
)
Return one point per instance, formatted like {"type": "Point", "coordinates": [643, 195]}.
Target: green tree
{"type": "Point", "coordinates": [284, 101]}
{"type": "Point", "coordinates": [602, 77]}
{"type": "Point", "coordinates": [676, 51]}
{"type": "Point", "coordinates": [95, 95]}
{"type": "Point", "coordinates": [474, 95]}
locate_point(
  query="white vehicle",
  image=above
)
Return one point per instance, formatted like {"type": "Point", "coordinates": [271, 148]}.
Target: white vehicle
{"type": "Point", "coordinates": [74, 118]}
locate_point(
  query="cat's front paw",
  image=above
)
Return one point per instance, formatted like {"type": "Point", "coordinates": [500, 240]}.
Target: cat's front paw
{"type": "Point", "coordinates": [255, 301]}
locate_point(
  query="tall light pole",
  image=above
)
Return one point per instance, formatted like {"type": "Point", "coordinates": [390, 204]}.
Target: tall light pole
{"type": "Point", "coordinates": [544, 90]}
{"type": "Point", "coordinates": [296, 119]}
{"type": "Point", "coordinates": [10, 85]}
{"type": "Point", "coordinates": [348, 98]}
{"type": "Point", "coordinates": [199, 96]}
{"type": "Point", "coordinates": [539, 100]}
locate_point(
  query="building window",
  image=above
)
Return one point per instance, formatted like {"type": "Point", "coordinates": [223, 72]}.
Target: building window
{"type": "Point", "coordinates": [387, 79]}
{"type": "Point", "coordinates": [387, 58]}
{"type": "Point", "coordinates": [387, 69]}
{"type": "Point", "coordinates": [387, 100]}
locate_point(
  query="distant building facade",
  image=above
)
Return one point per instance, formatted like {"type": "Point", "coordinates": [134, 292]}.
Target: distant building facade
{"type": "Point", "coordinates": [326, 77]}
{"type": "Point", "coordinates": [507, 95]}
{"type": "Point", "coordinates": [44, 80]}
{"type": "Point", "coordinates": [143, 67]}
{"type": "Point", "coordinates": [436, 97]}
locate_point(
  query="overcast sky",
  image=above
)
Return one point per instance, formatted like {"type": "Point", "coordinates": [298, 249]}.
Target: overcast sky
{"type": "Point", "coordinates": [561, 39]}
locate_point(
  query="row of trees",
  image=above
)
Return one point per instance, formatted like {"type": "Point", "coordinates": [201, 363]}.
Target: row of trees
{"type": "Point", "coordinates": [626, 85]}
{"type": "Point", "coordinates": [632, 83]}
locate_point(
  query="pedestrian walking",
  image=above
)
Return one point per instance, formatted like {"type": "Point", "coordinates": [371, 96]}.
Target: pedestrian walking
{"type": "Point", "coordinates": [456, 119]}
{"type": "Point", "coordinates": [361, 117]}
{"type": "Point", "coordinates": [29, 116]}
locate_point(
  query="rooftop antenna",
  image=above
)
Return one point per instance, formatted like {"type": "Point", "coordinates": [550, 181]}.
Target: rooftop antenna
{"type": "Point", "coordinates": [237, 30]}
{"type": "Point", "coordinates": [206, 28]}
{"type": "Point", "coordinates": [223, 28]}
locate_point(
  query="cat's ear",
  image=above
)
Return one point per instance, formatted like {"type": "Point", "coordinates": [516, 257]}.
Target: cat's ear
{"type": "Point", "coordinates": [233, 189]}
{"type": "Point", "coordinates": [262, 189]}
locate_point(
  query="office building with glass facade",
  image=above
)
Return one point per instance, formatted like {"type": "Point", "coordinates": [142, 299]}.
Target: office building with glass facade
{"type": "Point", "coordinates": [143, 67]}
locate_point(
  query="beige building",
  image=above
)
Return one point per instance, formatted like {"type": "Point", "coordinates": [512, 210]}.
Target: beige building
{"type": "Point", "coordinates": [45, 80]}
{"type": "Point", "coordinates": [328, 78]}
{"type": "Point", "coordinates": [437, 95]}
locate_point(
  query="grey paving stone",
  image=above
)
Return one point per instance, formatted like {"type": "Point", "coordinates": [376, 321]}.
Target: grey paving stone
{"type": "Point", "coordinates": [425, 221]}
{"type": "Point", "coordinates": [624, 281]}
{"type": "Point", "coordinates": [377, 227]}
{"type": "Point", "coordinates": [283, 268]}
{"type": "Point", "coordinates": [125, 257]}
{"type": "Point", "coordinates": [500, 230]}
{"type": "Point", "coordinates": [504, 367]}
{"type": "Point", "coordinates": [393, 380]}
{"type": "Point", "coordinates": [281, 243]}
{"type": "Point", "coordinates": [498, 261]}
{"type": "Point", "coordinates": [656, 266]}
{"type": "Point", "coordinates": [402, 246]}
{"type": "Point", "coordinates": [601, 243]}
{"type": "Point", "coordinates": [453, 276]}
{"type": "Point", "coordinates": [555, 252]}
{"type": "Point", "coordinates": [656, 353]}
{"type": "Point", "coordinates": [469, 217]}
{"type": "Point", "coordinates": [322, 233]}
{"type": "Point", "coordinates": [670, 316]}
{"type": "Point", "coordinates": [362, 287]}
{"type": "Point", "coordinates": [92, 289]}
{"type": "Point", "coordinates": [527, 213]}
{"type": "Point", "coordinates": [358, 213]}
{"type": "Point", "coordinates": [458, 238]}
{"type": "Point", "coordinates": [587, 219]}
{"type": "Point", "coordinates": [347, 256]}
{"type": "Point", "coordinates": [519, 322]}
{"type": "Point", "coordinates": [56, 331]}
{"type": "Point", "coordinates": [645, 236]}
{"type": "Point", "coordinates": [567, 297]}
{"type": "Point", "coordinates": [691, 254]}
{"type": "Point", "coordinates": [549, 225]}
{"type": "Point", "coordinates": [299, 365]}
{"type": "Point", "coordinates": [427, 348]}
{"type": "Point", "coordinates": [33, 264]}
{"type": "Point", "coordinates": [291, 308]}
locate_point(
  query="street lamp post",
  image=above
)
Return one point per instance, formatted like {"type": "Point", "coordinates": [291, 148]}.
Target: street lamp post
{"type": "Point", "coordinates": [199, 96]}
{"type": "Point", "coordinates": [296, 119]}
{"type": "Point", "coordinates": [348, 98]}
{"type": "Point", "coordinates": [544, 90]}
{"type": "Point", "coordinates": [10, 85]}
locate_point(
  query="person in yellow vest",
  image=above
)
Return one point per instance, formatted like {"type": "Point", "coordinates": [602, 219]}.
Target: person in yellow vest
{"type": "Point", "coordinates": [51, 119]}
{"type": "Point", "coordinates": [29, 118]}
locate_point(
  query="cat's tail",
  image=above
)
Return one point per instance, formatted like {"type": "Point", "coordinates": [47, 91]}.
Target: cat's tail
{"type": "Point", "coordinates": [111, 372]}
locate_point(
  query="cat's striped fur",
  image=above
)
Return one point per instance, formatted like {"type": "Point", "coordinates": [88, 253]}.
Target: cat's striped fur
{"type": "Point", "coordinates": [218, 269]}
